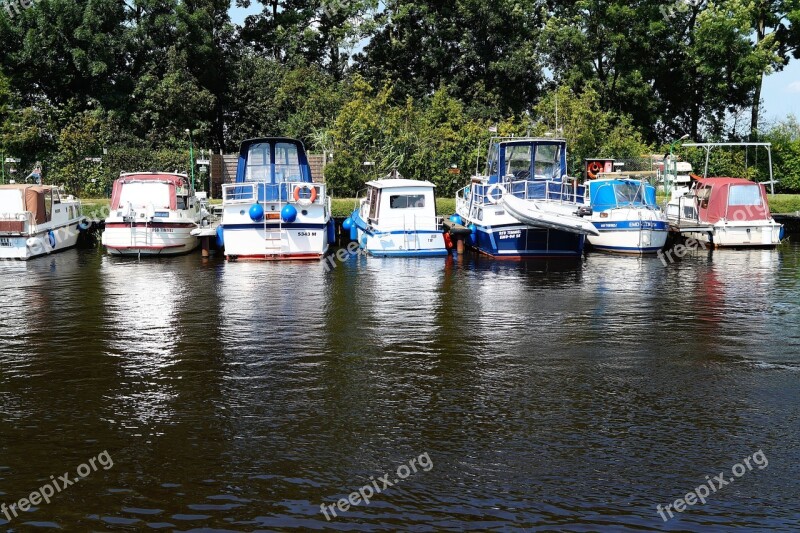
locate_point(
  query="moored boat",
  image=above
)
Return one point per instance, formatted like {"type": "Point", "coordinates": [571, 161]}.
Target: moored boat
{"type": "Point", "coordinates": [36, 220]}
{"type": "Point", "coordinates": [397, 218]}
{"type": "Point", "coordinates": [627, 216]}
{"type": "Point", "coordinates": [724, 212]}
{"type": "Point", "coordinates": [525, 205]}
{"type": "Point", "coordinates": [275, 210]}
{"type": "Point", "coordinates": [152, 214]}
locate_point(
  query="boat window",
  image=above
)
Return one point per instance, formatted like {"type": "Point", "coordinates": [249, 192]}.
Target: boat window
{"type": "Point", "coordinates": [143, 194]}
{"type": "Point", "coordinates": [258, 163]}
{"type": "Point", "coordinates": [406, 201]}
{"type": "Point", "coordinates": [374, 202]}
{"type": "Point", "coordinates": [287, 163]}
{"type": "Point", "coordinates": [628, 193]}
{"type": "Point", "coordinates": [547, 161]}
{"type": "Point", "coordinates": [518, 161]}
{"type": "Point", "coordinates": [745, 195]}
{"type": "Point", "coordinates": [492, 163]}
{"type": "Point", "coordinates": [703, 194]}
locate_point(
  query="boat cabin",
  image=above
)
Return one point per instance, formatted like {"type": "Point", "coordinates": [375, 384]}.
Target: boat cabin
{"type": "Point", "coordinates": [24, 205]}
{"type": "Point", "coordinates": [157, 193]}
{"type": "Point", "coordinates": [278, 166]}
{"type": "Point", "coordinates": [606, 194]}
{"type": "Point", "coordinates": [517, 159]}
{"type": "Point", "coordinates": [717, 199]}
{"type": "Point", "coordinates": [400, 203]}
{"type": "Point", "coordinates": [528, 168]}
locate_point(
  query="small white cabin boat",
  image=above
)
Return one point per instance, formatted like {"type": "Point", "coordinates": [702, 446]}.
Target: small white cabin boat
{"type": "Point", "coordinates": [152, 214]}
{"type": "Point", "coordinates": [397, 218]}
{"type": "Point", "coordinates": [35, 220]}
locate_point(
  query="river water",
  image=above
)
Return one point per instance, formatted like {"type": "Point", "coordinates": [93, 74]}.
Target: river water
{"type": "Point", "coordinates": [536, 395]}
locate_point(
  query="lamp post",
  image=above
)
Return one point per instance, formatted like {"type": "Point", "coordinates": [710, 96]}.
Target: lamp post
{"type": "Point", "coordinates": [191, 155]}
{"type": "Point", "coordinates": [673, 162]}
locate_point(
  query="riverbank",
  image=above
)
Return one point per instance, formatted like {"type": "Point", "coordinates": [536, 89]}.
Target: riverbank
{"type": "Point", "coordinates": [342, 207]}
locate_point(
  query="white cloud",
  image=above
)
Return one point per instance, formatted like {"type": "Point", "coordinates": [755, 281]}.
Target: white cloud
{"type": "Point", "coordinates": [793, 87]}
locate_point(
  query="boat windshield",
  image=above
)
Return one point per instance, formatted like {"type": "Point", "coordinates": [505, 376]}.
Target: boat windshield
{"type": "Point", "coordinates": [745, 195]}
{"type": "Point", "coordinates": [143, 194]}
{"type": "Point", "coordinates": [518, 162]}
{"type": "Point", "coordinates": [287, 163]}
{"type": "Point", "coordinates": [629, 193]}
{"type": "Point", "coordinates": [547, 161]}
{"type": "Point", "coordinates": [259, 161]}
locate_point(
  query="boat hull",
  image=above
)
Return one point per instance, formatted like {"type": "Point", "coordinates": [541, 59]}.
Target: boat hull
{"type": "Point", "coordinates": [741, 235]}
{"type": "Point", "coordinates": [630, 237]}
{"type": "Point", "coordinates": [399, 243]}
{"type": "Point", "coordinates": [153, 239]}
{"type": "Point", "coordinates": [521, 241]}
{"type": "Point", "coordinates": [45, 242]}
{"type": "Point", "coordinates": [289, 242]}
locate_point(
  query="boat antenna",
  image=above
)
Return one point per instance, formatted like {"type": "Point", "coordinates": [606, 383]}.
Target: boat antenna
{"type": "Point", "coordinates": [556, 111]}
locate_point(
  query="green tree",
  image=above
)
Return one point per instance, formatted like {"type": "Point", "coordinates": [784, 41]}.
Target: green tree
{"type": "Point", "coordinates": [485, 53]}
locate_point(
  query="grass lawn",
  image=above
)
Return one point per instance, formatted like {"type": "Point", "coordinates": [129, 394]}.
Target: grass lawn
{"type": "Point", "coordinates": [784, 203]}
{"type": "Point", "coordinates": [340, 207]}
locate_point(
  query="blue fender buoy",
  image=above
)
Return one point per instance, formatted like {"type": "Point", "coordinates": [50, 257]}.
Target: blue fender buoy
{"type": "Point", "coordinates": [473, 232]}
{"type": "Point", "coordinates": [347, 224]}
{"type": "Point", "coordinates": [52, 238]}
{"type": "Point", "coordinates": [256, 212]}
{"type": "Point", "coordinates": [220, 237]}
{"type": "Point", "coordinates": [289, 213]}
{"type": "Point", "coordinates": [353, 233]}
{"type": "Point", "coordinates": [331, 231]}
{"type": "Point", "coordinates": [455, 219]}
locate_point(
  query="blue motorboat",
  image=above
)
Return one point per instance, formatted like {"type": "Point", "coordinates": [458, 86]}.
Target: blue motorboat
{"type": "Point", "coordinates": [525, 205]}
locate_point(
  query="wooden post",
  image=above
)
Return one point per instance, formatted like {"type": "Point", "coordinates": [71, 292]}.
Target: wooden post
{"type": "Point", "coordinates": [205, 243]}
{"type": "Point", "coordinates": [460, 244]}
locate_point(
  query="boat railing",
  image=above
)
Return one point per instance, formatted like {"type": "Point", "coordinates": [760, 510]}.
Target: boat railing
{"type": "Point", "coordinates": [545, 190]}
{"type": "Point", "coordinates": [287, 192]}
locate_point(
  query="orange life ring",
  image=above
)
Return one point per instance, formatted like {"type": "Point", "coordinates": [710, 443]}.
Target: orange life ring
{"type": "Point", "coordinates": [594, 168]}
{"type": "Point", "coordinates": [305, 201]}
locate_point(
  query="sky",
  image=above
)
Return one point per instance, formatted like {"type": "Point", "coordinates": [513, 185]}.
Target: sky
{"type": "Point", "coordinates": [780, 93]}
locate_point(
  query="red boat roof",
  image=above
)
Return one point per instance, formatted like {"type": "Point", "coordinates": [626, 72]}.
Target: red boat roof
{"type": "Point", "coordinates": [722, 180]}
{"type": "Point", "coordinates": [169, 177]}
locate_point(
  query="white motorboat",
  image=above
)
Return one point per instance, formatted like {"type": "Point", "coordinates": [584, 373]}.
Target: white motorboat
{"type": "Point", "coordinates": [152, 214]}
{"type": "Point", "coordinates": [36, 220]}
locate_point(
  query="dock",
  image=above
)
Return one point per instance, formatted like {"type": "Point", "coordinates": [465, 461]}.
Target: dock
{"type": "Point", "coordinates": [790, 221]}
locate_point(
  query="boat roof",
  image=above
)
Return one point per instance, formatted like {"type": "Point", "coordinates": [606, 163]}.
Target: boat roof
{"type": "Point", "coordinates": [23, 186]}
{"type": "Point", "coordinates": [726, 181]}
{"type": "Point", "coordinates": [396, 183]}
{"type": "Point", "coordinates": [528, 140]}
{"type": "Point", "coordinates": [170, 177]}
{"type": "Point", "coordinates": [247, 143]}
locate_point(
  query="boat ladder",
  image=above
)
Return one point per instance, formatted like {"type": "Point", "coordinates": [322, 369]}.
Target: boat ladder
{"type": "Point", "coordinates": [276, 240]}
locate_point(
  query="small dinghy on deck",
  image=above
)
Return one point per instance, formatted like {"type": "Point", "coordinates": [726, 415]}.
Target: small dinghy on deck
{"type": "Point", "coordinates": [547, 215]}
